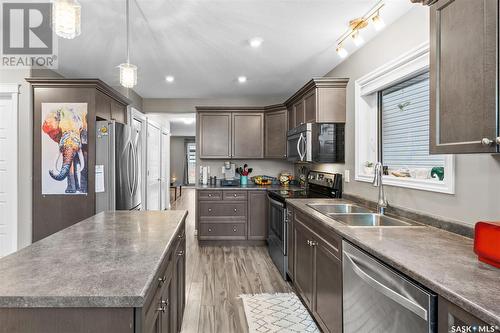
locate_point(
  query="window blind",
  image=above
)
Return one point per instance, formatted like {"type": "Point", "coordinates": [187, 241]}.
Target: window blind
{"type": "Point", "coordinates": [405, 125]}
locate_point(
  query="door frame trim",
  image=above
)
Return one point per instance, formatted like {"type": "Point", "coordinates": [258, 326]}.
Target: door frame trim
{"type": "Point", "coordinates": [11, 91]}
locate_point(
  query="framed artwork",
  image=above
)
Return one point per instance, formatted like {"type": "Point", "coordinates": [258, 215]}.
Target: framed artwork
{"type": "Point", "coordinates": [64, 148]}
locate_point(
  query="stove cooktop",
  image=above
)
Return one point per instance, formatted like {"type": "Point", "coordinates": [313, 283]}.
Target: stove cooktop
{"type": "Point", "coordinates": [291, 194]}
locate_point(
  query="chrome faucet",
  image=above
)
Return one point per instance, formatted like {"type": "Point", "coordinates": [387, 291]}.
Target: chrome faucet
{"type": "Point", "coordinates": [379, 182]}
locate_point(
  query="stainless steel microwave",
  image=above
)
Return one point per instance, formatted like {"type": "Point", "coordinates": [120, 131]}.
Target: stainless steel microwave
{"type": "Point", "coordinates": [317, 143]}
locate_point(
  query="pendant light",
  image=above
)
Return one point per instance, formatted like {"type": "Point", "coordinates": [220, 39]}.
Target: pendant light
{"type": "Point", "coordinates": [128, 72]}
{"type": "Point", "coordinates": [66, 18]}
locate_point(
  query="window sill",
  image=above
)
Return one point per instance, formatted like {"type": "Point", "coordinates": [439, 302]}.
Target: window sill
{"type": "Point", "coordinates": [417, 184]}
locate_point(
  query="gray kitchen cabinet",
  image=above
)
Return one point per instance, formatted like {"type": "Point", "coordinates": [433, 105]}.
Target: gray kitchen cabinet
{"type": "Point", "coordinates": [276, 127]}
{"type": "Point", "coordinates": [463, 80]}
{"type": "Point", "coordinates": [318, 271]}
{"type": "Point", "coordinates": [291, 117]}
{"type": "Point", "coordinates": [304, 261]}
{"type": "Point", "coordinates": [214, 134]}
{"type": "Point", "coordinates": [321, 100]}
{"type": "Point", "coordinates": [248, 135]}
{"type": "Point", "coordinates": [257, 215]}
{"type": "Point", "coordinates": [450, 317]}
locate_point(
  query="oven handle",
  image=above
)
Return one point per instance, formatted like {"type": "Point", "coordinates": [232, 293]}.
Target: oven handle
{"type": "Point", "coordinates": [388, 292]}
{"type": "Point", "coordinates": [275, 202]}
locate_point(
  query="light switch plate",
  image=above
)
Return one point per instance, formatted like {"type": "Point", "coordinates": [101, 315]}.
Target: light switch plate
{"type": "Point", "coordinates": [347, 176]}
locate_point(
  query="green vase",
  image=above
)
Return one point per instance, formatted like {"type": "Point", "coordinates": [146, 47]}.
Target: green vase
{"type": "Point", "coordinates": [437, 172]}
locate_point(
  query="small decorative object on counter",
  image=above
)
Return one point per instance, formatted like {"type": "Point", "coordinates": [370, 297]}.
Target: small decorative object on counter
{"type": "Point", "coordinates": [486, 242]}
{"type": "Point", "coordinates": [437, 172]}
{"type": "Point", "coordinates": [285, 178]}
{"type": "Point", "coordinates": [244, 172]}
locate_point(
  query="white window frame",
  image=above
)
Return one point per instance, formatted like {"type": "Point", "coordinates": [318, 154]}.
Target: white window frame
{"type": "Point", "coordinates": [366, 111]}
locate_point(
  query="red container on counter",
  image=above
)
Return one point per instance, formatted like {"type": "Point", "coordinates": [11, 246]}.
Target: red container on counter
{"type": "Point", "coordinates": [487, 242]}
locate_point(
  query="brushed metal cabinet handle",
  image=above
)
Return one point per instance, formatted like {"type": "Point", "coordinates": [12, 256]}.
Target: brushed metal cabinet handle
{"type": "Point", "coordinates": [497, 140]}
{"type": "Point", "coordinates": [487, 142]}
{"type": "Point", "coordinates": [235, 209]}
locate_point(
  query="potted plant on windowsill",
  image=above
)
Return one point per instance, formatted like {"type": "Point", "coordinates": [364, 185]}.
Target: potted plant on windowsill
{"type": "Point", "coordinates": [369, 168]}
{"type": "Point", "coordinates": [244, 172]}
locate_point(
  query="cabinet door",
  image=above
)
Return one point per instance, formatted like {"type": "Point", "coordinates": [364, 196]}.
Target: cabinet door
{"type": "Point", "coordinates": [248, 135]}
{"type": "Point", "coordinates": [328, 287]}
{"type": "Point", "coordinates": [450, 317]}
{"type": "Point", "coordinates": [118, 112]}
{"type": "Point", "coordinates": [310, 107]}
{"type": "Point", "coordinates": [303, 265]}
{"type": "Point", "coordinates": [214, 134]}
{"type": "Point", "coordinates": [168, 323]}
{"type": "Point", "coordinates": [298, 110]}
{"type": "Point", "coordinates": [180, 273]}
{"type": "Point", "coordinates": [291, 117]}
{"type": "Point", "coordinates": [275, 136]}
{"type": "Point", "coordinates": [463, 78]}
{"type": "Point", "coordinates": [102, 106]}
{"type": "Point", "coordinates": [257, 215]}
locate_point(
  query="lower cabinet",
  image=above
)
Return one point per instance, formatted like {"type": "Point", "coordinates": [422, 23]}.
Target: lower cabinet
{"type": "Point", "coordinates": [452, 317]}
{"type": "Point", "coordinates": [291, 243]}
{"type": "Point", "coordinates": [231, 215]}
{"type": "Point", "coordinates": [164, 313]}
{"type": "Point", "coordinates": [317, 272]}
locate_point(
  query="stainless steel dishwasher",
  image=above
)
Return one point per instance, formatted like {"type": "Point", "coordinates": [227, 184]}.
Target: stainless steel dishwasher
{"type": "Point", "coordinates": [377, 298]}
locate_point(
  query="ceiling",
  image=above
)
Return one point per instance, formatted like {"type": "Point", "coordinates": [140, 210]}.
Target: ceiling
{"type": "Point", "coordinates": [204, 43]}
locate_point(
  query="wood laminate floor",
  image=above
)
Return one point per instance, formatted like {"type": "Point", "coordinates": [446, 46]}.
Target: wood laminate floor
{"type": "Point", "coordinates": [217, 275]}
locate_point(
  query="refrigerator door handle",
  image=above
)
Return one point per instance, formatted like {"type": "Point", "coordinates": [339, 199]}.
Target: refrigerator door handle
{"type": "Point", "coordinates": [134, 162]}
{"type": "Point", "coordinates": [129, 167]}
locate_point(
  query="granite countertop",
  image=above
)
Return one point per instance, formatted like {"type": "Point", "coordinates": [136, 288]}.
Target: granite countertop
{"type": "Point", "coordinates": [247, 187]}
{"type": "Point", "coordinates": [108, 260]}
{"type": "Point", "coordinates": [442, 261]}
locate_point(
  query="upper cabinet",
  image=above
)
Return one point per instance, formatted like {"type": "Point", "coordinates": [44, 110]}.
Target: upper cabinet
{"type": "Point", "coordinates": [321, 100]}
{"type": "Point", "coordinates": [276, 126]}
{"type": "Point", "coordinates": [248, 135]}
{"type": "Point", "coordinates": [214, 133]}
{"type": "Point", "coordinates": [463, 77]}
{"type": "Point", "coordinates": [232, 133]}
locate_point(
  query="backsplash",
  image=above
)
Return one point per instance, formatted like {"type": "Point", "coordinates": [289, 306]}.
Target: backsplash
{"type": "Point", "coordinates": [260, 167]}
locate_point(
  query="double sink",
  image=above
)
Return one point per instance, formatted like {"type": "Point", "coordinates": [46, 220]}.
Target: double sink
{"type": "Point", "coordinates": [357, 216]}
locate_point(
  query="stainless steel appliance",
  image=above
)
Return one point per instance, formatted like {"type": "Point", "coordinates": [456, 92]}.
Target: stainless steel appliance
{"type": "Point", "coordinates": [319, 185]}
{"type": "Point", "coordinates": [317, 143]}
{"type": "Point", "coordinates": [118, 156]}
{"type": "Point", "coordinates": [376, 298]}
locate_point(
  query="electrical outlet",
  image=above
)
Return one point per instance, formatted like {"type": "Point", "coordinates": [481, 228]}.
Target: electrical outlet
{"type": "Point", "coordinates": [347, 176]}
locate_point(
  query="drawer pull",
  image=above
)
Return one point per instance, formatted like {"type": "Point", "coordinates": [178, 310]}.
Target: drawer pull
{"type": "Point", "coordinates": [210, 194]}
{"type": "Point", "coordinates": [162, 280]}
{"type": "Point", "coordinates": [235, 210]}
{"type": "Point", "coordinates": [209, 229]}
{"type": "Point", "coordinates": [180, 253]}
{"type": "Point", "coordinates": [180, 236]}
{"type": "Point", "coordinates": [210, 209]}
{"type": "Point", "coordinates": [234, 229]}
{"type": "Point", "coordinates": [235, 195]}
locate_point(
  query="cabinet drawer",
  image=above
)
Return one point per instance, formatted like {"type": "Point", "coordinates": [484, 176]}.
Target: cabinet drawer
{"type": "Point", "coordinates": [223, 230]}
{"type": "Point", "coordinates": [226, 209]}
{"type": "Point", "coordinates": [209, 195]}
{"type": "Point", "coordinates": [234, 195]}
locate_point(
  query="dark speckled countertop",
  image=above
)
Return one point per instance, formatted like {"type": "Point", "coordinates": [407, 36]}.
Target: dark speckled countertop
{"type": "Point", "coordinates": [442, 261]}
{"type": "Point", "coordinates": [108, 260]}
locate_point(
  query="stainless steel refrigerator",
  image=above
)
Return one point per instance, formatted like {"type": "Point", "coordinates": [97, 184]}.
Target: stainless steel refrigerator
{"type": "Point", "coordinates": [118, 167]}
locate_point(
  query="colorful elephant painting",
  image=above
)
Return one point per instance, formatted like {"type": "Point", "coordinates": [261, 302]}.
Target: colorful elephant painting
{"type": "Point", "coordinates": [66, 125]}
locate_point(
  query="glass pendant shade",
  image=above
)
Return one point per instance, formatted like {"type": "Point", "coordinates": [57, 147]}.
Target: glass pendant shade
{"type": "Point", "coordinates": [66, 18]}
{"type": "Point", "coordinates": [357, 39]}
{"type": "Point", "coordinates": [342, 52]}
{"type": "Point", "coordinates": [128, 75]}
{"type": "Point", "coordinates": [378, 23]}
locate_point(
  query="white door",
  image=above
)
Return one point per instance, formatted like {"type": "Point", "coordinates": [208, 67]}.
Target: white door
{"type": "Point", "coordinates": [139, 124]}
{"type": "Point", "coordinates": [154, 167]}
{"type": "Point", "coordinates": [8, 169]}
{"type": "Point", "coordinates": [165, 171]}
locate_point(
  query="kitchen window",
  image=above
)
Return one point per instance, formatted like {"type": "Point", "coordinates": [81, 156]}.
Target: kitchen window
{"type": "Point", "coordinates": [392, 126]}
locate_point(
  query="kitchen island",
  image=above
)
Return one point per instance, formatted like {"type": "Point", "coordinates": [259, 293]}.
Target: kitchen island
{"type": "Point", "coordinates": [114, 272]}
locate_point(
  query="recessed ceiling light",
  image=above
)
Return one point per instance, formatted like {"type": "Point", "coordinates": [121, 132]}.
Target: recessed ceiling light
{"type": "Point", "coordinates": [169, 78]}
{"type": "Point", "coordinates": [255, 42]}
{"type": "Point", "coordinates": [242, 79]}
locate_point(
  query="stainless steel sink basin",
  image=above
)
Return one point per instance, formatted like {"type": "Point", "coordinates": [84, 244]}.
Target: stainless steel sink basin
{"type": "Point", "coordinates": [339, 209]}
{"type": "Point", "coordinates": [371, 220]}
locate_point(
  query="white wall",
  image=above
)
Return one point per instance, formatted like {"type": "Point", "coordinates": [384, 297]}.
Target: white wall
{"type": "Point", "coordinates": [477, 176]}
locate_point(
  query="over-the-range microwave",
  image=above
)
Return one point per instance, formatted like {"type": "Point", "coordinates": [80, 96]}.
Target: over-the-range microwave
{"type": "Point", "coordinates": [317, 143]}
